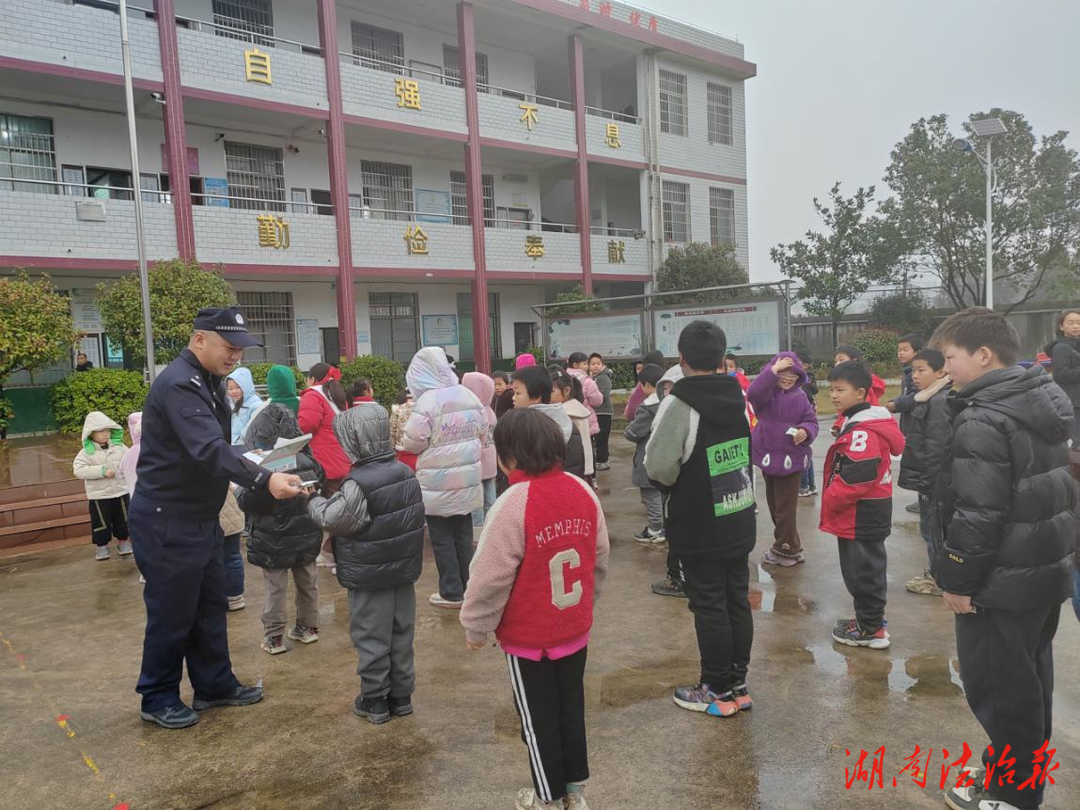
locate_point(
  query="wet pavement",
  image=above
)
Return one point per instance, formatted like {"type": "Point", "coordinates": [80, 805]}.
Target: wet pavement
{"type": "Point", "coordinates": [37, 459]}
{"type": "Point", "coordinates": [70, 642]}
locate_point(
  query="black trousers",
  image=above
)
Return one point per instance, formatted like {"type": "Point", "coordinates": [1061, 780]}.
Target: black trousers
{"type": "Point", "coordinates": [719, 593]}
{"type": "Point", "coordinates": [550, 700]}
{"type": "Point", "coordinates": [674, 566]}
{"type": "Point", "coordinates": [1007, 665]}
{"type": "Point", "coordinates": [109, 519]}
{"type": "Point", "coordinates": [863, 564]}
{"type": "Point", "coordinates": [451, 542]}
{"type": "Point", "coordinates": [603, 437]}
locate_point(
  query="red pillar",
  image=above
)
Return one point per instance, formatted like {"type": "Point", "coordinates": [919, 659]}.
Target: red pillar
{"type": "Point", "coordinates": [581, 167]}
{"type": "Point", "coordinates": [474, 188]}
{"type": "Point", "coordinates": [339, 179]}
{"type": "Point", "coordinates": [175, 135]}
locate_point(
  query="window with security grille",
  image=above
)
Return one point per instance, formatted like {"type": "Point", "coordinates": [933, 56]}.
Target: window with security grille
{"type": "Point", "coordinates": [718, 99]}
{"type": "Point", "coordinates": [465, 326]}
{"type": "Point", "coordinates": [722, 216]}
{"type": "Point", "coordinates": [388, 189]}
{"type": "Point", "coordinates": [245, 20]}
{"type": "Point", "coordinates": [378, 48]}
{"type": "Point", "coordinates": [459, 205]}
{"type": "Point", "coordinates": [676, 204]}
{"type": "Point", "coordinates": [269, 318]}
{"type": "Point", "coordinates": [256, 177]}
{"type": "Point", "coordinates": [395, 325]}
{"type": "Point", "coordinates": [27, 152]}
{"type": "Point", "coordinates": [672, 102]}
{"type": "Point", "coordinates": [452, 67]}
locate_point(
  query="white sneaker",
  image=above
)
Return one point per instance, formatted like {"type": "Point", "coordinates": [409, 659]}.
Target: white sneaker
{"type": "Point", "coordinates": [237, 603]}
{"type": "Point", "coordinates": [528, 800]}
{"type": "Point", "coordinates": [101, 553]}
{"type": "Point", "coordinates": [123, 548]}
{"type": "Point", "coordinates": [576, 801]}
{"type": "Point", "coordinates": [325, 561]}
{"type": "Point", "coordinates": [975, 797]}
{"type": "Point", "coordinates": [437, 600]}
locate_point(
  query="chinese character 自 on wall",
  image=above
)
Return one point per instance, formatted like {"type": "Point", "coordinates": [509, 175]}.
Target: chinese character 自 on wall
{"type": "Point", "coordinates": [257, 66]}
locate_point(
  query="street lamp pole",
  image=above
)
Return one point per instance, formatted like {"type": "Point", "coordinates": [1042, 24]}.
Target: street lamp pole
{"type": "Point", "coordinates": [133, 143]}
{"type": "Point", "coordinates": [988, 168]}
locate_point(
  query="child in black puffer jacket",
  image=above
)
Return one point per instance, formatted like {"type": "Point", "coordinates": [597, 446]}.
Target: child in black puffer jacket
{"type": "Point", "coordinates": [1065, 363]}
{"type": "Point", "coordinates": [282, 536]}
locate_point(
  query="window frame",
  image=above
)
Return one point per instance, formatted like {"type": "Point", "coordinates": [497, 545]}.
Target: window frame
{"type": "Point", "coordinates": [10, 171]}
{"type": "Point", "coordinates": [669, 189]}
{"type": "Point", "coordinates": [384, 49]}
{"type": "Point", "coordinates": [229, 13]}
{"type": "Point", "coordinates": [257, 306]}
{"type": "Point", "coordinates": [721, 113]}
{"type": "Point", "coordinates": [674, 103]}
{"type": "Point", "coordinates": [721, 210]}
{"type": "Point", "coordinates": [388, 184]}
{"type": "Point", "coordinates": [265, 192]}
{"type": "Point", "coordinates": [459, 201]}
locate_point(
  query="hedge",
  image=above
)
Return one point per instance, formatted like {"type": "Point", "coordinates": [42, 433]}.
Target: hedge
{"type": "Point", "coordinates": [260, 370]}
{"type": "Point", "coordinates": [387, 377]}
{"type": "Point", "coordinates": [113, 392]}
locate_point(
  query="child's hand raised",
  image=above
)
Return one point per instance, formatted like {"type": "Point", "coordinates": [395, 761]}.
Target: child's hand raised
{"type": "Point", "coordinates": [783, 364]}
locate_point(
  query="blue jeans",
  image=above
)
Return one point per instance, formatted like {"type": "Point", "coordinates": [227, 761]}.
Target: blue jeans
{"type": "Point", "coordinates": [926, 527]}
{"type": "Point", "coordinates": [808, 476]}
{"type": "Point", "coordinates": [480, 514]}
{"type": "Point", "coordinates": [234, 566]}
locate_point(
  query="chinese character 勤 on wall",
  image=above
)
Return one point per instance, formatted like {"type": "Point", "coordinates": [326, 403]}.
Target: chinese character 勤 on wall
{"type": "Point", "coordinates": [408, 93]}
{"type": "Point", "coordinates": [273, 231]}
{"type": "Point", "coordinates": [416, 241]}
{"type": "Point", "coordinates": [534, 247]}
{"type": "Point", "coordinates": [257, 66]}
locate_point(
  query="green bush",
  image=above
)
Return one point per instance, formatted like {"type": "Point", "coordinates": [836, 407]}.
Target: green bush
{"type": "Point", "coordinates": [260, 370]}
{"type": "Point", "coordinates": [7, 412]}
{"type": "Point", "coordinates": [113, 392]}
{"type": "Point", "coordinates": [622, 375]}
{"type": "Point", "coordinates": [878, 347]}
{"type": "Point", "coordinates": [387, 377]}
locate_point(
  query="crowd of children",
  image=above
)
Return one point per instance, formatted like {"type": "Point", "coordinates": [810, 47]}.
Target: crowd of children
{"type": "Point", "coordinates": [983, 442]}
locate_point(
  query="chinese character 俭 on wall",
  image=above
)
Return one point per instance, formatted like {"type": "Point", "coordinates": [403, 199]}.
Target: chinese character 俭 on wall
{"type": "Point", "coordinates": [408, 93]}
{"type": "Point", "coordinates": [416, 241]}
{"type": "Point", "coordinates": [257, 66]}
{"type": "Point", "coordinates": [273, 231]}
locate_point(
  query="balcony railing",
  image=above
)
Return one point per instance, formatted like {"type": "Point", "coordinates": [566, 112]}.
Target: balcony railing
{"type": "Point", "coordinates": [411, 68]}
{"type": "Point", "coordinates": [611, 115]}
{"type": "Point", "coordinates": [622, 233]}
{"type": "Point", "coordinates": [243, 35]}
{"type": "Point", "coordinates": [521, 95]}
{"type": "Point", "coordinates": [112, 5]}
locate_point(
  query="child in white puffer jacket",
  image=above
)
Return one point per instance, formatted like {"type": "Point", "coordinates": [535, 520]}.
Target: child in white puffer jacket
{"type": "Point", "coordinates": [98, 465]}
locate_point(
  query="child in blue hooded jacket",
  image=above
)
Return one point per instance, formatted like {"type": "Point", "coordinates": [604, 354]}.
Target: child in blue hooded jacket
{"type": "Point", "coordinates": [244, 400]}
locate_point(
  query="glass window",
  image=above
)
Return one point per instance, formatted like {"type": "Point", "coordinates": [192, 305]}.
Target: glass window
{"type": "Point", "coordinates": [672, 102]}
{"type": "Point", "coordinates": [459, 201]}
{"type": "Point", "coordinates": [27, 151]}
{"type": "Point", "coordinates": [378, 48]}
{"type": "Point", "coordinates": [719, 103]}
{"type": "Point", "coordinates": [256, 175]}
{"type": "Point", "coordinates": [245, 20]}
{"type": "Point", "coordinates": [452, 68]}
{"type": "Point", "coordinates": [388, 189]}
{"type": "Point", "coordinates": [722, 215]}
{"type": "Point", "coordinates": [269, 317]}
{"type": "Point", "coordinates": [676, 204]}
{"type": "Point", "coordinates": [395, 325]}
{"type": "Point", "coordinates": [108, 184]}
{"type": "Point", "coordinates": [465, 326]}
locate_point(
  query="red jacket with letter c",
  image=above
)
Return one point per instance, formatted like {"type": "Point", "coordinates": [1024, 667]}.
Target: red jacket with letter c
{"type": "Point", "coordinates": [856, 503]}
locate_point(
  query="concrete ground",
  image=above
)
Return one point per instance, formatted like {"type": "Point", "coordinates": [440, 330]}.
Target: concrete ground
{"type": "Point", "coordinates": [70, 737]}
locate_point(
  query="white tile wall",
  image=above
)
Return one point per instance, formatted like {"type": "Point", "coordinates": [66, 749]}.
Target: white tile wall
{"type": "Point", "coordinates": [635, 251]}
{"type": "Point", "coordinates": [630, 137]}
{"type": "Point", "coordinates": [505, 250]}
{"type": "Point", "coordinates": [230, 235]}
{"type": "Point", "coordinates": [500, 117]}
{"type": "Point", "coordinates": [371, 93]}
{"type": "Point", "coordinates": [216, 63]}
{"type": "Point", "coordinates": [77, 36]}
{"type": "Point", "coordinates": [381, 243]}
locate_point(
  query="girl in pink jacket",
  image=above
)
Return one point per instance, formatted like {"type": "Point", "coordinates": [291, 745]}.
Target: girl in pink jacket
{"type": "Point", "coordinates": [577, 365]}
{"type": "Point", "coordinates": [483, 387]}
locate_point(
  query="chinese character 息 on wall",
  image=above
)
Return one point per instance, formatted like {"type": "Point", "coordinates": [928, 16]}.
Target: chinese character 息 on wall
{"type": "Point", "coordinates": [612, 136]}
{"type": "Point", "coordinates": [416, 241]}
{"type": "Point", "coordinates": [257, 66]}
{"type": "Point", "coordinates": [408, 93]}
{"type": "Point", "coordinates": [534, 246]}
{"type": "Point", "coordinates": [528, 115]}
{"type": "Point", "coordinates": [273, 231]}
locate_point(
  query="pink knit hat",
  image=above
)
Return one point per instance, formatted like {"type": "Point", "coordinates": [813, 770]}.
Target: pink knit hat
{"type": "Point", "coordinates": [524, 361]}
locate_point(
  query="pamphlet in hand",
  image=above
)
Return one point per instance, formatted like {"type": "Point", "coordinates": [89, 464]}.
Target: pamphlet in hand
{"type": "Point", "coordinates": [283, 457]}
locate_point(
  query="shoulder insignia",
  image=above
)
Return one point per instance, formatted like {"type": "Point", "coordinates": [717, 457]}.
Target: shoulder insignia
{"type": "Point", "coordinates": [956, 559]}
{"type": "Point", "coordinates": [197, 381]}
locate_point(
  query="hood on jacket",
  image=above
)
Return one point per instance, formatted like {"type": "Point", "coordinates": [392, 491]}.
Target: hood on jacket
{"type": "Point", "coordinates": [717, 398]}
{"type": "Point", "coordinates": [557, 413]}
{"type": "Point", "coordinates": [672, 375]}
{"type": "Point", "coordinates": [275, 421]}
{"type": "Point", "coordinates": [933, 389]}
{"type": "Point", "coordinates": [797, 368]}
{"type": "Point", "coordinates": [576, 409]}
{"type": "Point", "coordinates": [281, 387]}
{"type": "Point", "coordinates": [364, 432]}
{"type": "Point", "coordinates": [481, 385]}
{"type": "Point", "coordinates": [95, 421]}
{"type": "Point", "coordinates": [242, 377]}
{"type": "Point", "coordinates": [1072, 343]}
{"type": "Point", "coordinates": [1027, 395]}
{"type": "Point", "coordinates": [135, 427]}
{"type": "Point", "coordinates": [428, 371]}
{"type": "Point", "coordinates": [524, 361]}
{"type": "Point", "coordinates": [879, 420]}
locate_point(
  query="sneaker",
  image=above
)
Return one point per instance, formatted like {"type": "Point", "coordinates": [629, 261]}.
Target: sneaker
{"type": "Point", "coordinates": [912, 507]}
{"type": "Point", "coordinates": [650, 536]}
{"type": "Point", "coordinates": [400, 707]}
{"type": "Point", "coordinates": [723, 706]}
{"type": "Point", "coordinates": [174, 717]}
{"type": "Point", "coordinates": [438, 601]}
{"type": "Point", "coordinates": [376, 710]}
{"type": "Point", "coordinates": [923, 584]}
{"type": "Point", "coordinates": [142, 579]}
{"type": "Point", "coordinates": [101, 553]}
{"type": "Point", "coordinates": [976, 797]}
{"type": "Point", "coordinates": [240, 696]}
{"type": "Point", "coordinates": [237, 603]}
{"type": "Point", "coordinates": [528, 800]}
{"type": "Point", "coordinates": [808, 492]}
{"type": "Point", "coordinates": [325, 561]}
{"type": "Point", "coordinates": [576, 801]}
{"type": "Point", "coordinates": [695, 698]}
{"type": "Point", "coordinates": [783, 560]}
{"type": "Point", "coordinates": [123, 548]}
{"type": "Point", "coordinates": [669, 587]}
{"type": "Point", "coordinates": [742, 697]}
{"type": "Point", "coordinates": [303, 634]}
{"type": "Point", "coordinates": [602, 466]}
{"type": "Point", "coordinates": [848, 632]}
{"type": "Point", "coordinates": [275, 645]}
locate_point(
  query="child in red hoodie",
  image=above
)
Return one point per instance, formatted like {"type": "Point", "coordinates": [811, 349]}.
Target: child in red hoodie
{"type": "Point", "coordinates": [856, 504]}
{"type": "Point", "coordinates": [534, 578]}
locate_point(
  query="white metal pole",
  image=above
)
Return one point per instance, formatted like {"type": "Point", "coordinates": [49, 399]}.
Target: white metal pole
{"type": "Point", "coordinates": [140, 239]}
{"type": "Point", "coordinates": [989, 229]}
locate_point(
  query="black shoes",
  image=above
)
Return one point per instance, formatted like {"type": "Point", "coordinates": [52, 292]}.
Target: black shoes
{"type": "Point", "coordinates": [376, 710]}
{"type": "Point", "coordinates": [173, 717]}
{"type": "Point", "coordinates": [400, 707]}
{"type": "Point", "coordinates": [241, 696]}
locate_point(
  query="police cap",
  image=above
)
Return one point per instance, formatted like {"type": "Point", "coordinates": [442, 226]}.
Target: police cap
{"type": "Point", "coordinates": [228, 322]}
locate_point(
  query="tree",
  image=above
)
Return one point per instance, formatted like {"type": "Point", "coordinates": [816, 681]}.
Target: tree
{"type": "Point", "coordinates": [902, 312]}
{"type": "Point", "coordinates": [574, 301]}
{"type": "Point", "coordinates": [36, 327]}
{"type": "Point", "coordinates": [838, 266]}
{"type": "Point", "coordinates": [940, 207]}
{"type": "Point", "coordinates": [178, 290]}
{"type": "Point", "coordinates": [697, 265]}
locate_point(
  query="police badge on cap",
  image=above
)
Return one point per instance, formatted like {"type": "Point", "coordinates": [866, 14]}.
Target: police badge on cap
{"type": "Point", "coordinates": [229, 323]}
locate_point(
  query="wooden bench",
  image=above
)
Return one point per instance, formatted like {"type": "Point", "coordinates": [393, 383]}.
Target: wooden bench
{"type": "Point", "coordinates": [43, 513]}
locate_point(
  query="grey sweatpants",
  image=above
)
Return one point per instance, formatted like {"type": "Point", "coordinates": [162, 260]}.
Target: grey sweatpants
{"type": "Point", "coordinates": [275, 613]}
{"type": "Point", "coordinates": [381, 625]}
{"type": "Point", "coordinates": [654, 507]}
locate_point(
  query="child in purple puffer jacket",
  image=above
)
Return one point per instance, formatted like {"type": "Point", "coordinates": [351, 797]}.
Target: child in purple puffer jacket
{"type": "Point", "coordinates": [786, 428]}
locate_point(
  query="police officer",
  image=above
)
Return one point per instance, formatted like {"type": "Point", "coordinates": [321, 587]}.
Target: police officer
{"type": "Point", "coordinates": [185, 466]}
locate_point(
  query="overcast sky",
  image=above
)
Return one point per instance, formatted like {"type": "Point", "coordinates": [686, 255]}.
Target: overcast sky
{"type": "Point", "coordinates": [840, 81]}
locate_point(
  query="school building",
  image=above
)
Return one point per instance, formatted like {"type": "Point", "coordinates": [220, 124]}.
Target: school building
{"type": "Point", "coordinates": [373, 175]}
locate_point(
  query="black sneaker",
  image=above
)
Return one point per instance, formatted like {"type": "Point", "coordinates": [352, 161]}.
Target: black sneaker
{"type": "Point", "coordinates": [173, 717]}
{"type": "Point", "coordinates": [650, 536]}
{"type": "Point", "coordinates": [912, 507]}
{"type": "Point", "coordinates": [400, 706]}
{"type": "Point", "coordinates": [376, 710]}
{"type": "Point", "coordinates": [976, 797]}
{"type": "Point", "coordinates": [241, 696]}
{"type": "Point", "coordinates": [669, 587]}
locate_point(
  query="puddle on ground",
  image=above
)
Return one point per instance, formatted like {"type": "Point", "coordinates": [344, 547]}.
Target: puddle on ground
{"type": "Point", "coordinates": [635, 684]}
{"type": "Point", "coordinates": [915, 676]}
{"type": "Point", "coordinates": [764, 596]}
